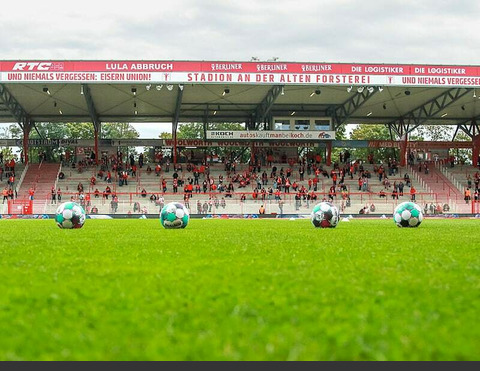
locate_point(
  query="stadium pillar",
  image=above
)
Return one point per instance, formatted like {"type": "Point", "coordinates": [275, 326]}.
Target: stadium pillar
{"type": "Point", "coordinates": [329, 153]}
{"type": "Point", "coordinates": [27, 127]}
{"type": "Point", "coordinates": [403, 150]}
{"type": "Point", "coordinates": [252, 154]}
{"type": "Point", "coordinates": [476, 149]}
{"type": "Point", "coordinates": [174, 147]}
{"type": "Point", "coordinates": [96, 145]}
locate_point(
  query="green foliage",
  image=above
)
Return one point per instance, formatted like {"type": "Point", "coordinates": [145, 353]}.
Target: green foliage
{"type": "Point", "coordinates": [78, 130]}
{"type": "Point", "coordinates": [12, 131]}
{"type": "Point", "coordinates": [195, 131]}
{"type": "Point", "coordinates": [463, 155]}
{"type": "Point", "coordinates": [165, 135]}
{"type": "Point", "coordinates": [190, 131]}
{"type": "Point", "coordinates": [371, 132]}
{"type": "Point", "coordinates": [71, 130]}
{"type": "Point", "coordinates": [119, 130]}
{"type": "Point", "coordinates": [436, 133]}
{"type": "Point", "coordinates": [444, 133]}
{"type": "Point", "coordinates": [240, 290]}
{"type": "Point", "coordinates": [340, 134]}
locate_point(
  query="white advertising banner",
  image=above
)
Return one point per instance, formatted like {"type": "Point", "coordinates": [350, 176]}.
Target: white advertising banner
{"type": "Point", "coordinates": [270, 135]}
{"type": "Point", "coordinates": [258, 73]}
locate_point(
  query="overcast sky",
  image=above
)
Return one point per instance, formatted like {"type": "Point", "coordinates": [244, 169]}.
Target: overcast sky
{"type": "Point", "coordinates": [392, 31]}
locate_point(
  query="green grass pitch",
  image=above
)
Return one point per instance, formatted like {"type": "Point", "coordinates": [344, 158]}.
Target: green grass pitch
{"type": "Point", "coordinates": [240, 290]}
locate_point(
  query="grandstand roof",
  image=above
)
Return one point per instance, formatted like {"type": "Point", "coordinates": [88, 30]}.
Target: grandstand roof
{"type": "Point", "coordinates": [236, 91]}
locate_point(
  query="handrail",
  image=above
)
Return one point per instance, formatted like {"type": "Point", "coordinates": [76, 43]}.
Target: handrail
{"type": "Point", "coordinates": [20, 181]}
{"type": "Point", "coordinates": [56, 178]}
{"type": "Point", "coordinates": [354, 197]}
{"type": "Point", "coordinates": [451, 178]}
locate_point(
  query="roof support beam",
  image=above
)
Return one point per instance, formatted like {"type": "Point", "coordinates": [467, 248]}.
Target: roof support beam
{"type": "Point", "coordinates": [178, 106]}
{"type": "Point", "coordinates": [428, 110]}
{"type": "Point", "coordinates": [34, 125]}
{"type": "Point", "coordinates": [340, 114]}
{"type": "Point", "coordinates": [398, 129]}
{"type": "Point", "coordinates": [471, 130]}
{"type": "Point", "coordinates": [91, 107]}
{"type": "Point", "coordinates": [12, 105]}
{"type": "Point", "coordinates": [205, 124]}
{"type": "Point", "coordinates": [176, 117]}
{"type": "Point", "coordinates": [265, 106]}
{"type": "Point", "coordinates": [455, 134]}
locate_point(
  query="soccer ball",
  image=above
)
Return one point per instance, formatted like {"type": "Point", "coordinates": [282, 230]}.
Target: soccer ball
{"type": "Point", "coordinates": [325, 215]}
{"type": "Point", "coordinates": [174, 215]}
{"type": "Point", "coordinates": [70, 215]}
{"type": "Point", "coordinates": [408, 214]}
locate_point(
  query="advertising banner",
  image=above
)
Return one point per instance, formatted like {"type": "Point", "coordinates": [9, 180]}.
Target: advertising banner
{"type": "Point", "coordinates": [239, 72]}
{"type": "Point", "coordinates": [270, 135]}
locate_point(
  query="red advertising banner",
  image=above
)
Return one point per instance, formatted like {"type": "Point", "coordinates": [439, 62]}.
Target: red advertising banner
{"type": "Point", "coordinates": [233, 143]}
{"type": "Point", "coordinates": [418, 144]}
{"type": "Point", "coordinates": [239, 72]}
{"type": "Point", "coordinates": [238, 67]}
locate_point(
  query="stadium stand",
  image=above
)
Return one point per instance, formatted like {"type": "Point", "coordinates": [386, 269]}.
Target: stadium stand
{"type": "Point", "coordinates": [242, 200]}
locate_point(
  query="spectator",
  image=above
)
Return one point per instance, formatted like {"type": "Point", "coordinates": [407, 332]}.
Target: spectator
{"type": "Point", "coordinates": [53, 195]}
{"type": "Point", "coordinates": [280, 207]}
{"type": "Point", "coordinates": [413, 192]}
{"type": "Point", "coordinates": [114, 204]}
{"type": "Point", "coordinates": [467, 195]}
{"type": "Point", "coordinates": [394, 194]}
{"type": "Point", "coordinates": [31, 193]}
{"type": "Point", "coordinates": [5, 194]}
{"type": "Point", "coordinates": [107, 192]}
{"type": "Point", "coordinates": [161, 202]}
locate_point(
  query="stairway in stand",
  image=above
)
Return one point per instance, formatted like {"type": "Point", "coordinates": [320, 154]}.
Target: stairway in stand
{"type": "Point", "coordinates": [444, 188]}
{"type": "Point", "coordinates": [42, 178]}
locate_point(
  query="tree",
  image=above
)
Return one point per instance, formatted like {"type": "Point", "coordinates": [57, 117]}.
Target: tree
{"type": "Point", "coordinates": [464, 155]}
{"type": "Point", "coordinates": [195, 131]}
{"type": "Point", "coordinates": [5, 133]}
{"type": "Point", "coordinates": [119, 130]}
{"type": "Point", "coordinates": [434, 132]}
{"type": "Point", "coordinates": [444, 133]}
{"type": "Point", "coordinates": [371, 132]}
{"type": "Point", "coordinates": [70, 130]}
{"type": "Point", "coordinates": [340, 134]}
{"type": "Point", "coordinates": [83, 130]}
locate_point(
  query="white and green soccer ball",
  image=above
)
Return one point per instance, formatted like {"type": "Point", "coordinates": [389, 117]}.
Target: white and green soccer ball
{"type": "Point", "coordinates": [174, 215]}
{"type": "Point", "coordinates": [408, 214]}
{"type": "Point", "coordinates": [70, 215]}
{"type": "Point", "coordinates": [325, 215]}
